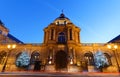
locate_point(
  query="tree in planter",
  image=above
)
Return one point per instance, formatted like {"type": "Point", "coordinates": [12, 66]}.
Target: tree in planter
{"type": "Point", "coordinates": [100, 60]}
{"type": "Point", "coordinates": [23, 60]}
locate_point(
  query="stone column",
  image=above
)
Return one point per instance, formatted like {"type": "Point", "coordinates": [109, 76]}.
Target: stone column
{"type": "Point", "coordinates": [74, 56]}
{"type": "Point", "coordinates": [54, 34]}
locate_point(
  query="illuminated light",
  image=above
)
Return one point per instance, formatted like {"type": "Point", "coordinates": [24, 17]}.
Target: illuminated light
{"type": "Point", "coordinates": [109, 46]}
{"type": "Point", "coordinates": [50, 57]}
{"type": "Point", "coordinates": [78, 63]}
{"type": "Point", "coordinates": [8, 46]}
{"type": "Point", "coordinates": [112, 46]}
{"type": "Point", "coordinates": [35, 57]}
{"type": "Point", "coordinates": [115, 46]}
{"type": "Point", "coordinates": [50, 62]}
{"type": "Point", "coordinates": [13, 46]}
{"type": "Point", "coordinates": [71, 62]}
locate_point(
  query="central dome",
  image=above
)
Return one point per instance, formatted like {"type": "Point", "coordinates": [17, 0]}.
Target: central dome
{"type": "Point", "coordinates": [62, 16]}
{"type": "Point", "coordinates": [62, 20]}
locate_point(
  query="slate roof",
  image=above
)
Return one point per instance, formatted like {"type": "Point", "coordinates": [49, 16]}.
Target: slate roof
{"type": "Point", "coordinates": [2, 24]}
{"type": "Point", "coordinates": [115, 40]}
{"type": "Point", "coordinates": [14, 38]}
{"type": "Point", "coordinates": [62, 16]}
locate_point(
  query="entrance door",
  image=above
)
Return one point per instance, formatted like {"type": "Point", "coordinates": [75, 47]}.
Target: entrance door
{"type": "Point", "coordinates": [37, 66]}
{"type": "Point", "coordinates": [61, 60]}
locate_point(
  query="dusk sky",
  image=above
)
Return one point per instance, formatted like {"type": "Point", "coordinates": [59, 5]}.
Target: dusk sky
{"type": "Point", "coordinates": [99, 20]}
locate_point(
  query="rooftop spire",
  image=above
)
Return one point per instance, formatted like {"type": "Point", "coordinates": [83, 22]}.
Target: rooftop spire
{"type": "Point", "coordinates": [62, 14]}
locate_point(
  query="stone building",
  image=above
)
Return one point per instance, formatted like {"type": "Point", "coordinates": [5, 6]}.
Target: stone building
{"type": "Point", "coordinates": [61, 50]}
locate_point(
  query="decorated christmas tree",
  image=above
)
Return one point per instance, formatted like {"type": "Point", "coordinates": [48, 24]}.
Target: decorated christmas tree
{"type": "Point", "coordinates": [23, 60]}
{"type": "Point", "coordinates": [100, 59]}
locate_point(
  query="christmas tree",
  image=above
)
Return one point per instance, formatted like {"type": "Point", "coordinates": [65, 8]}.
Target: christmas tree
{"type": "Point", "coordinates": [100, 59]}
{"type": "Point", "coordinates": [23, 60]}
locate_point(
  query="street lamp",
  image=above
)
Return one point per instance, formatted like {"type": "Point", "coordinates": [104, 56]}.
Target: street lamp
{"type": "Point", "coordinates": [114, 48]}
{"type": "Point", "coordinates": [71, 61]}
{"type": "Point", "coordinates": [50, 60]}
{"type": "Point", "coordinates": [10, 47]}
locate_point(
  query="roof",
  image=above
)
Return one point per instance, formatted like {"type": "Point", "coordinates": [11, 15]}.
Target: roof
{"type": "Point", "coordinates": [115, 40]}
{"type": "Point", "coordinates": [14, 38]}
{"type": "Point", "coordinates": [2, 24]}
{"type": "Point", "coordinates": [62, 16]}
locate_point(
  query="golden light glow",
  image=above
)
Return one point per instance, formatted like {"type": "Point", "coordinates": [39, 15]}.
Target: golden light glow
{"type": "Point", "coordinates": [115, 46]}
{"type": "Point", "coordinates": [78, 63]}
{"type": "Point", "coordinates": [112, 46]}
{"type": "Point", "coordinates": [50, 62]}
{"type": "Point", "coordinates": [11, 46]}
{"type": "Point", "coordinates": [8, 46]}
{"type": "Point", "coordinates": [71, 62]}
{"type": "Point", "coordinates": [109, 46]}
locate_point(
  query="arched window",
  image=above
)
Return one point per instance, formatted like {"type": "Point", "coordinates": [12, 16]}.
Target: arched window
{"type": "Point", "coordinates": [89, 58]}
{"type": "Point", "coordinates": [61, 38]}
{"type": "Point", "coordinates": [108, 58]}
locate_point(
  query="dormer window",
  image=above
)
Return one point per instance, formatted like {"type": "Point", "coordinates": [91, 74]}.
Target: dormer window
{"type": "Point", "coordinates": [61, 23]}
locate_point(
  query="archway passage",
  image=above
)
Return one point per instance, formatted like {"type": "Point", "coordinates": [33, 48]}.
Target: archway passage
{"type": "Point", "coordinates": [35, 60]}
{"type": "Point", "coordinates": [61, 60]}
{"type": "Point", "coordinates": [88, 61]}
{"type": "Point", "coordinates": [3, 55]}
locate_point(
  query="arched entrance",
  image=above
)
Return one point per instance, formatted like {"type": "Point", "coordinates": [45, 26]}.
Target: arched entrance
{"type": "Point", "coordinates": [3, 55]}
{"type": "Point", "coordinates": [61, 60]}
{"type": "Point", "coordinates": [88, 61]}
{"type": "Point", "coordinates": [35, 60]}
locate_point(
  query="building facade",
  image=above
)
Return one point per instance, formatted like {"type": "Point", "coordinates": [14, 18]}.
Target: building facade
{"type": "Point", "coordinates": [61, 50]}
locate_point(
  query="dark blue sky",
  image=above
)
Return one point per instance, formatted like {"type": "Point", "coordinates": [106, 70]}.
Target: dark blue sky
{"type": "Point", "coordinates": [99, 20]}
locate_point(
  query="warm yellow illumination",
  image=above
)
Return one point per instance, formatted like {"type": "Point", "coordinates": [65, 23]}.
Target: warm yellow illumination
{"type": "Point", "coordinates": [109, 46]}
{"type": "Point", "coordinates": [78, 63]}
{"type": "Point", "coordinates": [50, 62]}
{"type": "Point", "coordinates": [112, 46]}
{"type": "Point", "coordinates": [13, 46]}
{"type": "Point", "coordinates": [8, 46]}
{"type": "Point", "coordinates": [115, 46]}
{"type": "Point", "coordinates": [71, 62]}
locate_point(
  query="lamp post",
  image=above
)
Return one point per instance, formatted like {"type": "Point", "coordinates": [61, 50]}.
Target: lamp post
{"type": "Point", "coordinates": [10, 47]}
{"type": "Point", "coordinates": [114, 48]}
